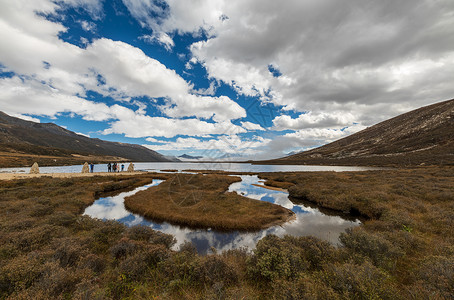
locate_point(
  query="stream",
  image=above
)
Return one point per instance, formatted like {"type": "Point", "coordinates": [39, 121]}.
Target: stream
{"type": "Point", "coordinates": [308, 222]}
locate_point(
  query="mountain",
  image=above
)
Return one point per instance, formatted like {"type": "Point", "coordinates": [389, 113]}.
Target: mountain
{"type": "Point", "coordinates": [24, 138]}
{"type": "Point", "coordinates": [186, 156]}
{"type": "Point", "coordinates": [421, 136]}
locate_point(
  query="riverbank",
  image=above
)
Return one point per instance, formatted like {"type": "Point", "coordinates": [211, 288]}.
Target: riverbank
{"type": "Point", "coordinates": [202, 201]}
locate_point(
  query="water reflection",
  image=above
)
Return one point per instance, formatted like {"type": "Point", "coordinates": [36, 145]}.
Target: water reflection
{"type": "Point", "coordinates": [309, 221]}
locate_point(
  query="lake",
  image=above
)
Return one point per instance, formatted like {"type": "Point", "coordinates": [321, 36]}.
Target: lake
{"type": "Point", "coordinates": [180, 166]}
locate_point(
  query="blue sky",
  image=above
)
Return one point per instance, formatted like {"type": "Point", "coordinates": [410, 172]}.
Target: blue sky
{"type": "Point", "coordinates": [252, 78]}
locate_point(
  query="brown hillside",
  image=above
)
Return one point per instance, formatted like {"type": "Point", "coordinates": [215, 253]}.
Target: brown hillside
{"type": "Point", "coordinates": [24, 142]}
{"type": "Point", "coordinates": [421, 136]}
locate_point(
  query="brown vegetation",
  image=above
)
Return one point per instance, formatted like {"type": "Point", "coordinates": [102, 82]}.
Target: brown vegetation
{"type": "Point", "coordinates": [410, 216]}
{"type": "Point", "coordinates": [202, 201]}
{"type": "Point", "coordinates": [404, 251]}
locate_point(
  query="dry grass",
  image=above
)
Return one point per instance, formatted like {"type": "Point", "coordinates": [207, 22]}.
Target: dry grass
{"type": "Point", "coordinates": [202, 201]}
{"type": "Point", "coordinates": [410, 216]}
{"type": "Point", "coordinates": [405, 250]}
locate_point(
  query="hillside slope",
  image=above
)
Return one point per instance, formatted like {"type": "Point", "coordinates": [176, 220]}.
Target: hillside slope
{"type": "Point", "coordinates": [47, 139]}
{"type": "Point", "coordinates": [421, 136]}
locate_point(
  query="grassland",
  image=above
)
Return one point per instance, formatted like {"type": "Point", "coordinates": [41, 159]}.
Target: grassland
{"type": "Point", "coordinates": [404, 250]}
{"type": "Point", "coordinates": [203, 201]}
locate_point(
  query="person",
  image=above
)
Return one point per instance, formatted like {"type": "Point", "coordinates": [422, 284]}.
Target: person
{"type": "Point", "coordinates": [122, 167]}
{"type": "Point", "coordinates": [114, 168]}
{"type": "Point", "coordinates": [92, 166]}
{"type": "Point", "coordinates": [109, 167]}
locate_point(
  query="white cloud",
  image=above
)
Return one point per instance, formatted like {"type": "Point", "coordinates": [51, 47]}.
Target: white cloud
{"type": "Point", "coordinates": [93, 7]}
{"type": "Point", "coordinates": [329, 52]}
{"type": "Point", "coordinates": [251, 126]}
{"type": "Point", "coordinates": [163, 39]}
{"type": "Point", "coordinates": [26, 118]}
{"type": "Point", "coordinates": [313, 120]}
{"type": "Point", "coordinates": [83, 134]}
{"type": "Point", "coordinates": [54, 76]}
{"type": "Point", "coordinates": [136, 125]}
{"type": "Point", "coordinates": [31, 97]}
{"type": "Point", "coordinates": [229, 144]}
{"type": "Point", "coordinates": [87, 26]}
{"type": "Point", "coordinates": [219, 108]}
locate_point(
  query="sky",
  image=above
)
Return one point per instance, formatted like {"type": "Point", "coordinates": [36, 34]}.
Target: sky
{"type": "Point", "coordinates": [243, 78]}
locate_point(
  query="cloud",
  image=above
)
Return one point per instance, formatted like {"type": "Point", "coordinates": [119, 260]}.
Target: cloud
{"type": "Point", "coordinates": [313, 120]}
{"type": "Point", "coordinates": [53, 76]}
{"type": "Point", "coordinates": [87, 26]}
{"type": "Point", "coordinates": [252, 126]}
{"type": "Point", "coordinates": [163, 39]}
{"type": "Point", "coordinates": [228, 144]}
{"type": "Point", "coordinates": [138, 126]}
{"type": "Point", "coordinates": [219, 108]}
{"type": "Point", "coordinates": [93, 7]}
{"type": "Point", "coordinates": [31, 97]}
{"type": "Point", "coordinates": [346, 53]}
{"type": "Point", "coordinates": [26, 118]}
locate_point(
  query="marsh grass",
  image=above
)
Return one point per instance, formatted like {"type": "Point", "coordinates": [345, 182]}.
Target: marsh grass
{"type": "Point", "coordinates": [202, 201]}
{"type": "Point", "coordinates": [48, 250]}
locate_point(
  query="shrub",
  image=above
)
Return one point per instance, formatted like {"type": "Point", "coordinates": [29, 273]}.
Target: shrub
{"type": "Point", "coordinates": [123, 248]}
{"type": "Point", "coordinates": [276, 258]}
{"type": "Point", "coordinates": [378, 249]}
{"type": "Point", "coordinates": [88, 290]}
{"type": "Point", "coordinates": [303, 288]}
{"type": "Point", "coordinates": [163, 239]}
{"type": "Point", "coordinates": [353, 281]}
{"type": "Point", "coordinates": [58, 281]}
{"type": "Point", "coordinates": [62, 218]}
{"type": "Point", "coordinates": [145, 233]}
{"type": "Point", "coordinates": [36, 237]}
{"type": "Point", "coordinates": [136, 266]}
{"type": "Point", "coordinates": [19, 273]}
{"type": "Point", "coordinates": [93, 262]}
{"type": "Point", "coordinates": [314, 250]}
{"type": "Point", "coordinates": [68, 252]}
{"type": "Point", "coordinates": [213, 269]}
{"type": "Point", "coordinates": [140, 233]}
{"type": "Point", "coordinates": [436, 274]}
{"type": "Point", "coordinates": [188, 248]}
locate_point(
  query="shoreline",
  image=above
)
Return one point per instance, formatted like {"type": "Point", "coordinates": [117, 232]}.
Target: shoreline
{"type": "Point", "coordinates": [13, 176]}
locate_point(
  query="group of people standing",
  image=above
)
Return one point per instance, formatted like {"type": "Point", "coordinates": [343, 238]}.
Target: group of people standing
{"type": "Point", "coordinates": [115, 167]}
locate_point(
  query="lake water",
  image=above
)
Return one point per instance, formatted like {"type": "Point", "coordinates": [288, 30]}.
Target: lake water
{"type": "Point", "coordinates": [180, 166]}
{"type": "Point", "coordinates": [309, 221]}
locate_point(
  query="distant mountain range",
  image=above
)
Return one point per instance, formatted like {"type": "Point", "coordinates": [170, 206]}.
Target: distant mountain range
{"type": "Point", "coordinates": [187, 156]}
{"type": "Point", "coordinates": [50, 143]}
{"type": "Point", "coordinates": [421, 136]}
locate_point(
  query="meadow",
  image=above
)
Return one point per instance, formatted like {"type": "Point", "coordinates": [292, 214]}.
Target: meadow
{"type": "Point", "coordinates": [403, 250]}
{"type": "Point", "coordinates": [202, 201]}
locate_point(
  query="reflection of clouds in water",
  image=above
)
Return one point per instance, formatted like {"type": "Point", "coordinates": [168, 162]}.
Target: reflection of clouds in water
{"type": "Point", "coordinates": [316, 224]}
{"type": "Point", "coordinates": [309, 221]}
{"type": "Point", "coordinates": [113, 207]}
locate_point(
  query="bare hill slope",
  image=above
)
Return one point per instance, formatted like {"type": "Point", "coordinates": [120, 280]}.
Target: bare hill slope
{"type": "Point", "coordinates": [47, 139]}
{"type": "Point", "coordinates": [421, 136]}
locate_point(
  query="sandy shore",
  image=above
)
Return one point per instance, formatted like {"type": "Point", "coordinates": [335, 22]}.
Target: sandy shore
{"type": "Point", "coordinates": [12, 176]}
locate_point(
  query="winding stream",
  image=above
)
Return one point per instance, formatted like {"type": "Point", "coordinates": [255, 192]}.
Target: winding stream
{"type": "Point", "coordinates": [309, 221]}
